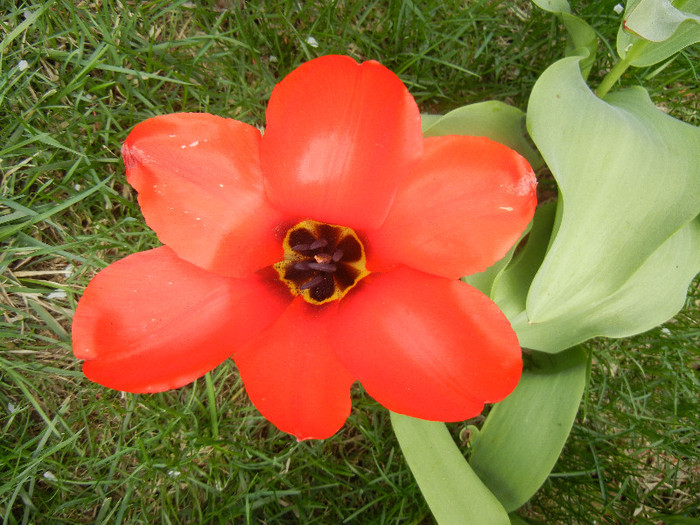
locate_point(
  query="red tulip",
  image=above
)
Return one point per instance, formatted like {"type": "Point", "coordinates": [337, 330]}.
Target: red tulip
{"type": "Point", "coordinates": [325, 252]}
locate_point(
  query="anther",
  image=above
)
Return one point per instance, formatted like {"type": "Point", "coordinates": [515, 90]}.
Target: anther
{"type": "Point", "coordinates": [322, 267]}
{"type": "Point", "coordinates": [312, 282]}
{"type": "Point", "coordinates": [322, 262]}
{"type": "Point", "coordinates": [319, 243]}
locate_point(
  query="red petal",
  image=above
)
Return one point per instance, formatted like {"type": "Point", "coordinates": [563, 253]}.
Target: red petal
{"type": "Point", "coordinates": [459, 211]}
{"type": "Point", "coordinates": [293, 376]}
{"type": "Point", "coordinates": [426, 346]}
{"type": "Point", "coordinates": [201, 190]}
{"type": "Point", "coordinates": [152, 322]}
{"type": "Point", "coordinates": [340, 137]}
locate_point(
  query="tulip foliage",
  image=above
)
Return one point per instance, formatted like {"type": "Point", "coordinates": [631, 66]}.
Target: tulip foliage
{"type": "Point", "coordinates": [612, 256]}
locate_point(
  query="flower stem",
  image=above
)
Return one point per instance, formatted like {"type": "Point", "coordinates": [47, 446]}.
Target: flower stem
{"type": "Point", "coordinates": [620, 67]}
{"type": "Point", "coordinates": [212, 406]}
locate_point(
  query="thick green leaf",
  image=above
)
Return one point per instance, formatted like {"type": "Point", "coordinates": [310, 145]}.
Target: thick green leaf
{"type": "Point", "coordinates": [553, 6]}
{"type": "Point", "coordinates": [525, 433]}
{"type": "Point", "coordinates": [452, 489]}
{"type": "Point", "coordinates": [656, 20]}
{"type": "Point", "coordinates": [493, 119]}
{"type": "Point", "coordinates": [582, 37]}
{"type": "Point", "coordinates": [427, 120]}
{"type": "Point", "coordinates": [655, 30]}
{"type": "Point", "coordinates": [509, 290]}
{"type": "Point", "coordinates": [655, 293]}
{"type": "Point", "coordinates": [628, 177]}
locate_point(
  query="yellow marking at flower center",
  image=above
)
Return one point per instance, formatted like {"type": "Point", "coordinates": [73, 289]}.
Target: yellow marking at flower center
{"type": "Point", "coordinates": [322, 262]}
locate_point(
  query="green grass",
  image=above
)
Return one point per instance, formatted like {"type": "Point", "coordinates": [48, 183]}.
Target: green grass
{"type": "Point", "coordinates": [74, 452]}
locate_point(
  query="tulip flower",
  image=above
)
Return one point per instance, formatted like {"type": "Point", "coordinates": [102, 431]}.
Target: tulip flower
{"type": "Point", "coordinates": [327, 250]}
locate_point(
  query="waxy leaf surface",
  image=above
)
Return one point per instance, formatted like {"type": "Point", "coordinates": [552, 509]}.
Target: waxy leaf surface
{"type": "Point", "coordinates": [582, 37]}
{"type": "Point", "coordinates": [454, 493]}
{"type": "Point", "coordinates": [664, 276]}
{"type": "Point", "coordinates": [654, 30]}
{"type": "Point", "coordinates": [525, 433]}
{"type": "Point", "coordinates": [629, 179]}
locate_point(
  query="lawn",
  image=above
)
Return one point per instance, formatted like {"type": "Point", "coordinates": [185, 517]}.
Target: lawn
{"type": "Point", "coordinates": [75, 77]}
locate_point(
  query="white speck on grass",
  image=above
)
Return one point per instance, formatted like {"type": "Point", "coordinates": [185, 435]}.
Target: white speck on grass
{"type": "Point", "coordinates": [50, 476]}
{"type": "Point", "coordinates": [312, 41]}
{"type": "Point", "coordinates": [273, 58]}
{"type": "Point", "coordinates": [58, 294]}
{"type": "Point", "coordinates": [174, 473]}
{"type": "Point", "coordinates": [619, 8]}
{"type": "Point", "coordinates": [12, 408]}
{"type": "Point", "coordinates": [22, 65]}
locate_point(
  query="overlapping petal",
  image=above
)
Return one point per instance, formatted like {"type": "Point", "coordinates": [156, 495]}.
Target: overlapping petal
{"type": "Point", "coordinates": [459, 211]}
{"type": "Point", "coordinates": [201, 190]}
{"type": "Point", "coordinates": [340, 137]}
{"type": "Point", "coordinates": [293, 376]}
{"type": "Point", "coordinates": [151, 321]}
{"type": "Point", "coordinates": [426, 346]}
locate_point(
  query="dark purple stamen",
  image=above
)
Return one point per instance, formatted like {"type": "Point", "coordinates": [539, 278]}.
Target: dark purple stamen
{"type": "Point", "coordinates": [300, 247]}
{"type": "Point", "coordinates": [337, 255]}
{"type": "Point", "coordinates": [311, 283]}
{"type": "Point", "coordinates": [322, 267]}
{"type": "Point", "coordinates": [319, 243]}
{"type": "Point", "coordinates": [301, 265]}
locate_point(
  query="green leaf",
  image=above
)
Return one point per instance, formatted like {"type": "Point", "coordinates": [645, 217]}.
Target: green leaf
{"type": "Point", "coordinates": [452, 489]}
{"type": "Point", "coordinates": [524, 434]}
{"type": "Point", "coordinates": [582, 37]}
{"type": "Point", "coordinates": [655, 30]}
{"type": "Point", "coordinates": [427, 120]}
{"type": "Point", "coordinates": [628, 177]}
{"type": "Point", "coordinates": [553, 6]}
{"type": "Point", "coordinates": [664, 276]}
{"type": "Point", "coordinates": [656, 20]}
{"type": "Point", "coordinates": [495, 120]}
{"type": "Point", "coordinates": [510, 289]}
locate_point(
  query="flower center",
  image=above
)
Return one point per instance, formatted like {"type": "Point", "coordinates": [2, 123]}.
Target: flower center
{"type": "Point", "coordinates": [322, 262]}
